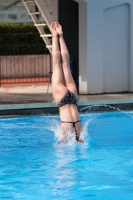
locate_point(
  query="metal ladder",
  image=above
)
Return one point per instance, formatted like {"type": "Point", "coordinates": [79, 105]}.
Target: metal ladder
{"type": "Point", "coordinates": [46, 17]}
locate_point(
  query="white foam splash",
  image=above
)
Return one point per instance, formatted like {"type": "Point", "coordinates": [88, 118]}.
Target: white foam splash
{"type": "Point", "coordinates": [70, 134]}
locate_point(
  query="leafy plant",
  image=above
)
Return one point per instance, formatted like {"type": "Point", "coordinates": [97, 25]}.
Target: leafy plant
{"type": "Point", "coordinates": [13, 36]}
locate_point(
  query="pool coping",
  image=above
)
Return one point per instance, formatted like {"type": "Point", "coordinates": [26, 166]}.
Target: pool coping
{"type": "Point", "coordinates": [51, 108]}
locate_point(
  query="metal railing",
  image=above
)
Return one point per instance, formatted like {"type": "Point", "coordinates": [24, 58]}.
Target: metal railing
{"type": "Point", "coordinates": [21, 64]}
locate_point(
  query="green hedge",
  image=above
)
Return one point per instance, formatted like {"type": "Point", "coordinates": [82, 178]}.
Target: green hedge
{"type": "Point", "coordinates": [22, 34]}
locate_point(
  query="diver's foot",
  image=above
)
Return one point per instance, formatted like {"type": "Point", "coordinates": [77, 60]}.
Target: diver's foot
{"type": "Point", "coordinates": [58, 28]}
{"type": "Point", "coordinates": [53, 29]}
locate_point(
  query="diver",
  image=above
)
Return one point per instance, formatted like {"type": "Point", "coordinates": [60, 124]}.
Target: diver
{"type": "Point", "coordinates": [63, 86]}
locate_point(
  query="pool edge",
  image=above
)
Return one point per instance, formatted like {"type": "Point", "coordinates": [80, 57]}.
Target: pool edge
{"type": "Point", "coordinates": [51, 108]}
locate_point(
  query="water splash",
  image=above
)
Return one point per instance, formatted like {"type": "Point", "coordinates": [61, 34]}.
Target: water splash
{"type": "Point", "coordinates": [70, 134]}
{"type": "Point", "coordinates": [86, 120]}
{"type": "Point", "coordinates": [107, 106]}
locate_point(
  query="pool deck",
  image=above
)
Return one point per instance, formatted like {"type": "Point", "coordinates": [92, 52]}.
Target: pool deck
{"type": "Point", "coordinates": [36, 97]}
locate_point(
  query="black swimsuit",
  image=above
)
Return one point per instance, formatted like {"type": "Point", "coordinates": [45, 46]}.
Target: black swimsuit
{"type": "Point", "coordinates": [69, 98]}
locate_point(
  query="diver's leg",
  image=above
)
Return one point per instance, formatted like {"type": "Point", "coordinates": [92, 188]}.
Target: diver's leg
{"type": "Point", "coordinates": [58, 88]}
{"type": "Point", "coordinates": [68, 79]}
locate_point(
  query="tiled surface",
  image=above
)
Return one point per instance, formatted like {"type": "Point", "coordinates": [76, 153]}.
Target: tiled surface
{"type": "Point", "coordinates": [26, 90]}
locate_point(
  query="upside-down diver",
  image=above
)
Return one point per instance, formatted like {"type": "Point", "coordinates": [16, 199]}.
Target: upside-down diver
{"type": "Point", "coordinates": [63, 86]}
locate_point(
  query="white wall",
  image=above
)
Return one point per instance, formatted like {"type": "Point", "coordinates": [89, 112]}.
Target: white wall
{"type": "Point", "coordinates": [116, 48]}
{"type": "Point", "coordinates": [55, 10]}
{"type": "Point", "coordinates": [106, 52]}
{"type": "Point", "coordinates": [83, 76]}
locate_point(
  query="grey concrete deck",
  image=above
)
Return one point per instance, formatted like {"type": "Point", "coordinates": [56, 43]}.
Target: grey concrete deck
{"type": "Point", "coordinates": [38, 94]}
{"type": "Point", "coordinates": [22, 95]}
{"type": "Point", "coordinates": [36, 97]}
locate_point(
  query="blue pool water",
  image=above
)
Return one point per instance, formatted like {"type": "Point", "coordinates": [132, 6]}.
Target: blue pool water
{"type": "Point", "coordinates": [34, 167]}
